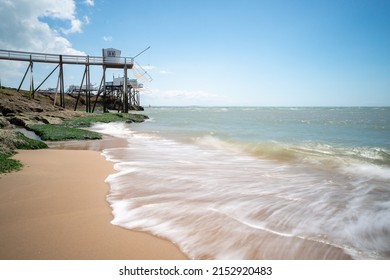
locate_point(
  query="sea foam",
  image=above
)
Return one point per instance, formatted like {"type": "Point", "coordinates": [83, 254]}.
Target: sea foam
{"type": "Point", "coordinates": [223, 197]}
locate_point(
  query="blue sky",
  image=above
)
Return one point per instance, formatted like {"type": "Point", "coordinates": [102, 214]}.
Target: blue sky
{"type": "Point", "coordinates": [244, 53]}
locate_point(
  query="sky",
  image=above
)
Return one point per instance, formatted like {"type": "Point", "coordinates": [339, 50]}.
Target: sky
{"type": "Point", "coordinates": [215, 52]}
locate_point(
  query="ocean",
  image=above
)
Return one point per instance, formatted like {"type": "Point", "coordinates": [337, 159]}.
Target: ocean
{"type": "Point", "coordinates": [257, 182]}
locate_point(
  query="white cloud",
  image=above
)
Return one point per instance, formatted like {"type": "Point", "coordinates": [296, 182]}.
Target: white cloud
{"type": "Point", "coordinates": [89, 2]}
{"type": "Point", "coordinates": [107, 38]}
{"type": "Point", "coordinates": [75, 27]}
{"type": "Point", "coordinates": [188, 94]}
{"type": "Point", "coordinates": [148, 67]}
{"type": "Point", "coordinates": [178, 97]}
{"type": "Point", "coordinates": [86, 19]}
{"type": "Point", "coordinates": [152, 67]}
{"type": "Point", "coordinates": [23, 27]}
{"type": "Point", "coordinates": [165, 72]}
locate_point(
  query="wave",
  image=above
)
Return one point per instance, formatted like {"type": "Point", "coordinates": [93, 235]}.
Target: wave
{"type": "Point", "coordinates": [312, 153]}
{"type": "Point", "coordinates": [219, 198]}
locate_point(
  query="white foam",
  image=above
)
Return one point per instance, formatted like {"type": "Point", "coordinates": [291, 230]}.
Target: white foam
{"type": "Point", "coordinates": [117, 129]}
{"type": "Point", "coordinates": [213, 200]}
{"type": "Point", "coordinates": [367, 171]}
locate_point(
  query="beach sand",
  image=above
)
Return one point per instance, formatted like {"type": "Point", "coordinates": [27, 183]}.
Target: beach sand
{"type": "Point", "coordinates": [56, 208]}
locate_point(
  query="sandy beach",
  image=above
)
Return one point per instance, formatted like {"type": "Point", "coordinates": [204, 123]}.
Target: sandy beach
{"type": "Point", "coordinates": [55, 208]}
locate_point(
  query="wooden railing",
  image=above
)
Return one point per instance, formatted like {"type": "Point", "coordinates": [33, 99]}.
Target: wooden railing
{"type": "Point", "coordinates": [115, 62]}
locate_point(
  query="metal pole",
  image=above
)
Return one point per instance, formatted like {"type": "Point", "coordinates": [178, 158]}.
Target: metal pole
{"type": "Point", "coordinates": [141, 52]}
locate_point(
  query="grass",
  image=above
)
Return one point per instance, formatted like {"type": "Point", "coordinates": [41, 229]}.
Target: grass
{"type": "Point", "coordinates": [8, 164]}
{"type": "Point", "coordinates": [70, 130]}
{"type": "Point", "coordinates": [87, 121]}
{"type": "Point", "coordinates": [25, 143]}
{"type": "Point", "coordinates": [50, 132]}
{"type": "Point", "coordinates": [11, 140]}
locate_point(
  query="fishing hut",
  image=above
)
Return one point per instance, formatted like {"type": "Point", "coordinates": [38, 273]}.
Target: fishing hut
{"type": "Point", "coordinates": [126, 90]}
{"type": "Point", "coordinates": [115, 92]}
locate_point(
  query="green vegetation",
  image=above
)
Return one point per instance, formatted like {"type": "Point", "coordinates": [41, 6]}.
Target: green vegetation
{"type": "Point", "coordinates": [69, 130]}
{"type": "Point", "coordinates": [8, 164]}
{"type": "Point", "coordinates": [11, 140]}
{"type": "Point", "coordinates": [104, 118]}
{"type": "Point", "coordinates": [19, 108]}
{"type": "Point", "coordinates": [25, 143]}
{"type": "Point", "coordinates": [50, 132]}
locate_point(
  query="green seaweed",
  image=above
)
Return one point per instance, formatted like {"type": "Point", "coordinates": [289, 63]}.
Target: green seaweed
{"type": "Point", "coordinates": [50, 132]}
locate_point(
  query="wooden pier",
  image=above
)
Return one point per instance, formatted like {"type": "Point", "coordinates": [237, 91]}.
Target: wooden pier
{"type": "Point", "coordinates": [106, 61]}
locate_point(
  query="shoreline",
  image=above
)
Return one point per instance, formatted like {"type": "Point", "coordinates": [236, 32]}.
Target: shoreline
{"type": "Point", "coordinates": [47, 212]}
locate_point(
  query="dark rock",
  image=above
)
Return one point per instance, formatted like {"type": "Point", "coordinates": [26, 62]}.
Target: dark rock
{"type": "Point", "coordinates": [3, 122]}
{"type": "Point", "coordinates": [19, 121]}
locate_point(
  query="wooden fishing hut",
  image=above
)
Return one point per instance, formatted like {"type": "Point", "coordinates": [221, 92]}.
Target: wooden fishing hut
{"type": "Point", "coordinates": [110, 59]}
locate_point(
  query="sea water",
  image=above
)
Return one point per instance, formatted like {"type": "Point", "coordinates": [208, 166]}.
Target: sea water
{"type": "Point", "coordinates": [254, 183]}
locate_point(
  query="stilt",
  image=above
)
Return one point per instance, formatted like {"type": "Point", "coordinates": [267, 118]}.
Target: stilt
{"type": "Point", "coordinates": [81, 86]}
{"type": "Point", "coordinates": [30, 67]}
{"type": "Point", "coordinates": [60, 85]}
{"type": "Point", "coordinates": [101, 89]}
{"type": "Point", "coordinates": [88, 88]}
{"type": "Point", "coordinates": [126, 93]}
{"type": "Point", "coordinates": [47, 77]}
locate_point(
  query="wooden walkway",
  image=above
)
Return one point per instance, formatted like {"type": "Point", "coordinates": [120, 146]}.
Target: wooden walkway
{"type": "Point", "coordinates": [128, 98]}
{"type": "Point", "coordinates": [109, 62]}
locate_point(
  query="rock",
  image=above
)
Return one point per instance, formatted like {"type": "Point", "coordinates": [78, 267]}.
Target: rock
{"type": "Point", "coordinates": [4, 122]}
{"type": "Point", "coordinates": [20, 120]}
{"type": "Point", "coordinates": [48, 119]}
{"type": "Point", "coordinates": [19, 109]}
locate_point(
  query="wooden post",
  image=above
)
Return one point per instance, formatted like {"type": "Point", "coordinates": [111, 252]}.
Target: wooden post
{"type": "Point", "coordinates": [62, 87]}
{"type": "Point", "coordinates": [88, 90]}
{"type": "Point", "coordinates": [32, 91]}
{"type": "Point", "coordinates": [104, 90]}
{"type": "Point", "coordinates": [25, 74]}
{"type": "Point", "coordinates": [101, 89]}
{"type": "Point", "coordinates": [81, 86]}
{"type": "Point", "coordinates": [125, 91]}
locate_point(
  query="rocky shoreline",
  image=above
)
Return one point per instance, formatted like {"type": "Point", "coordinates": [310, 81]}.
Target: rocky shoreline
{"type": "Point", "coordinates": [50, 122]}
{"type": "Point", "coordinates": [18, 109]}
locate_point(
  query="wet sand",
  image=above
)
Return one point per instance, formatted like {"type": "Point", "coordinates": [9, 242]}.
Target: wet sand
{"type": "Point", "coordinates": [56, 208]}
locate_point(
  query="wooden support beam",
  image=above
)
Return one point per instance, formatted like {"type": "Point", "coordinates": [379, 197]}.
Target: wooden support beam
{"type": "Point", "coordinates": [125, 92]}
{"type": "Point", "coordinates": [102, 88]}
{"type": "Point", "coordinates": [81, 86]}
{"type": "Point", "coordinates": [62, 86]}
{"type": "Point", "coordinates": [25, 74]}
{"type": "Point", "coordinates": [47, 77]}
